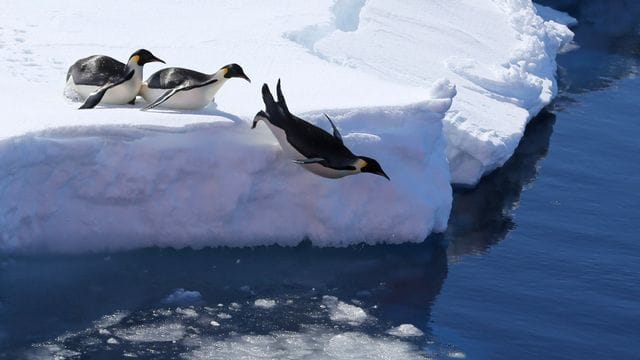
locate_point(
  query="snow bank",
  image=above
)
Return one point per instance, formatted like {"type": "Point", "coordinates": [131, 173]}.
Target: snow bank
{"type": "Point", "coordinates": [119, 187]}
{"type": "Point", "coordinates": [118, 178]}
{"type": "Point", "coordinates": [499, 53]}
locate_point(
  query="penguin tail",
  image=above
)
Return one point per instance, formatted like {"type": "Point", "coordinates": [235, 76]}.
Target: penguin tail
{"type": "Point", "coordinates": [281, 101]}
{"type": "Point", "coordinates": [261, 115]}
{"type": "Point", "coordinates": [270, 104]}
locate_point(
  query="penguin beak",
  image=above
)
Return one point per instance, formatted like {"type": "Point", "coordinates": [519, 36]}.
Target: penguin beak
{"type": "Point", "coordinates": [158, 60]}
{"type": "Point", "coordinates": [245, 77]}
{"type": "Point", "coordinates": [381, 173]}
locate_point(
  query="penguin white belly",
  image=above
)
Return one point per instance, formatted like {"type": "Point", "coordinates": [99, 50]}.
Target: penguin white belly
{"type": "Point", "coordinates": [192, 99]}
{"type": "Point", "coordinates": [328, 172]}
{"type": "Point", "coordinates": [293, 154]}
{"type": "Point", "coordinates": [120, 94]}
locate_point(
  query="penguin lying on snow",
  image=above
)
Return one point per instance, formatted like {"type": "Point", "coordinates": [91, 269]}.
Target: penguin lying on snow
{"type": "Point", "coordinates": [103, 79]}
{"type": "Point", "coordinates": [308, 145]}
{"type": "Point", "coordinates": [180, 88]}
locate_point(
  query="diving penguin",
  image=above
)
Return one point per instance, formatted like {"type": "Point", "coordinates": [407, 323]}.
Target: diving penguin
{"type": "Point", "coordinates": [180, 88]}
{"type": "Point", "coordinates": [310, 146]}
{"type": "Point", "coordinates": [103, 79]}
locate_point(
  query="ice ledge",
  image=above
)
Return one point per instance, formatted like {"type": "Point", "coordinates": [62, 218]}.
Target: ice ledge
{"type": "Point", "coordinates": [500, 53]}
{"type": "Point", "coordinates": [118, 187]}
{"type": "Point", "coordinates": [518, 89]}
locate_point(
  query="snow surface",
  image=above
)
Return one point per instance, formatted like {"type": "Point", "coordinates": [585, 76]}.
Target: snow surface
{"type": "Point", "coordinates": [118, 178]}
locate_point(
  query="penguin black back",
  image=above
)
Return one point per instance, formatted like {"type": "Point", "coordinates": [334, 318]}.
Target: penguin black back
{"type": "Point", "coordinates": [96, 70]}
{"type": "Point", "coordinates": [306, 138]}
{"type": "Point", "coordinates": [173, 77]}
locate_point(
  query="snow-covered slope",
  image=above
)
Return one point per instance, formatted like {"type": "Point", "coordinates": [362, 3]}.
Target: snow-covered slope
{"type": "Point", "coordinates": [117, 177]}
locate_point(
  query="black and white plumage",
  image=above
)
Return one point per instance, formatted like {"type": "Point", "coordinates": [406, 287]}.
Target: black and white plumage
{"type": "Point", "coordinates": [103, 79]}
{"type": "Point", "coordinates": [313, 148]}
{"type": "Point", "coordinates": [179, 88]}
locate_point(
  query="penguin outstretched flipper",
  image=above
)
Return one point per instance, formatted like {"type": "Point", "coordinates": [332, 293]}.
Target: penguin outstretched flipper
{"type": "Point", "coordinates": [95, 97]}
{"type": "Point", "coordinates": [336, 133]}
{"type": "Point", "coordinates": [164, 97]}
{"type": "Point", "coordinates": [309, 161]}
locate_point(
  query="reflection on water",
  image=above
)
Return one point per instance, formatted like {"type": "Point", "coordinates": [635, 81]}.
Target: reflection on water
{"type": "Point", "coordinates": [483, 216]}
{"type": "Point", "coordinates": [54, 295]}
{"type": "Point", "coordinates": [607, 34]}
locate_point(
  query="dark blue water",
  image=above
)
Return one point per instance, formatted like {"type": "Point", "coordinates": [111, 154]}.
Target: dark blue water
{"type": "Point", "coordinates": [542, 262]}
{"type": "Point", "coordinates": [559, 277]}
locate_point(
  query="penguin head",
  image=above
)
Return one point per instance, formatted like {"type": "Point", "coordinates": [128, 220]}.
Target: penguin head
{"type": "Point", "coordinates": [234, 70]}
{"type": "Point", "coordinates": [143, 56]}
{"type": "Point", "coordinates": [369, 165]}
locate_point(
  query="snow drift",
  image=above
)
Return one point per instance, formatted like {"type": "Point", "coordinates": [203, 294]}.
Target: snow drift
{"type": "Point", "coordinates": [118, 178]}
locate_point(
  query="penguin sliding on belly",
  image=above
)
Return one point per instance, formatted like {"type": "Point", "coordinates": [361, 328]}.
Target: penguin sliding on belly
{"type": "Point", "coordinates": [179, 88]}
{"type": "Point", "coordinates": [310, 146]}
{"type": "Point", "coordinates": [102, 79]}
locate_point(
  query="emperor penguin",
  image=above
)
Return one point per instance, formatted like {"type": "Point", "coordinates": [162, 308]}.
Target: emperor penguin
{"type": "Point", "coordinates": [313, 148]}
{"type": "Point", "coordinates": [103, 79]}
{"type": "Point", "coordinates": [179, 88]}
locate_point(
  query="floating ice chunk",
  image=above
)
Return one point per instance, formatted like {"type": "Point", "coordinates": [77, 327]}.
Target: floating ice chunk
{"type": "Point", "coordinates": [183, 297]}
{"type": "Point", "coordinates": [152, 332]}
{"type": "Point", "coordinates": [214, 323]}
{"type": "Point", "coordinates": [264, 303]}
{"type": "Point", "coordinates": [311, 343]}
{"type": "Point", "coordinates": [224, 316]}
{"type": "Point", "coordinates": [112, 341]}
{"type": "Point", "coordinates": [456, 355]}
{"type": "Point", "coordinates": [405, 330]}
{"type": "Point", "coordinates": [110, 320]}
{"type": "Point", "coordinates": [187, 312]}
{"type": "Point", "coordinates": [342, 312]}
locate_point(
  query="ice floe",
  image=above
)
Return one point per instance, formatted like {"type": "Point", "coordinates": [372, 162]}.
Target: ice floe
{"type": "Point", "coordinates": [436, 92]}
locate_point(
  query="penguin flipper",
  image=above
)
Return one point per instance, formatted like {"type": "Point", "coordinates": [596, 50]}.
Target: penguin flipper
{"type": "Point", "coordinates": [336, 133]}
{"type": "Point", "coordinates": [261, 115]}
{"type": "Point", "coordinates": [169, 93]}
{"type": "Point", "coordinates": [95, 97]}
{"type": "Point", "coordinates": [309, 161]}
{"type": "Point", "coordinates": [164, 97]}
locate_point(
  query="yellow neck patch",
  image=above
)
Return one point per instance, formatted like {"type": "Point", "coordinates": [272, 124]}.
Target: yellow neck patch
{"type": "Point", "coordinates": [135, 59]}
{"type": "Point", "coordinates": [360, 164]}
